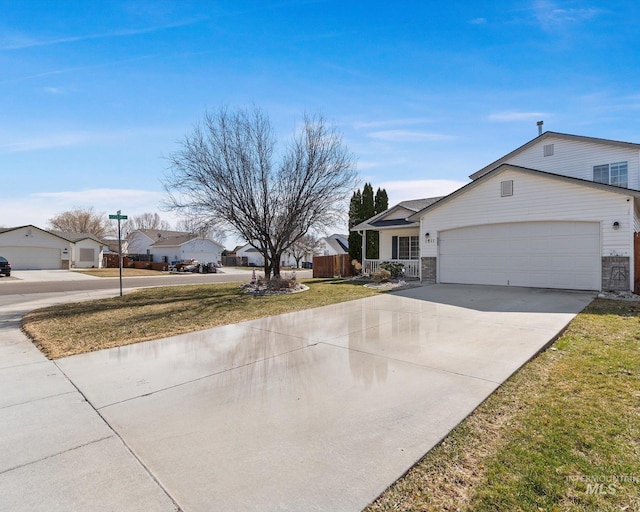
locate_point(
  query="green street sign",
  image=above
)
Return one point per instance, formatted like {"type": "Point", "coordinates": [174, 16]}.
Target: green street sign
{"type": "Point", "coordinates": [121, 217]}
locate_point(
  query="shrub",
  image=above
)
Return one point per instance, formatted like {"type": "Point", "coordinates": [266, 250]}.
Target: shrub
{"type": "Point", "coordinates": [396, 269]}
{"type": "Point", "coordinates": [382, 275]}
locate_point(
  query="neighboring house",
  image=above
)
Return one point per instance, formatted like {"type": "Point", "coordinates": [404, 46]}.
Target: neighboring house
{"type": "Point", "coordinates": [254, 258]}
{"type": "Point", "coordinates": [171, 246]}
{"type": "Point", "coordinates": [140, 241]}
{"type": "Point", "coordinates": [558, 212]}
{"type": "Point", "coordinates": [187, 247]}
{"type": "Point", "coordinates": [86, 250]}
{"type": "Point", "coordinates": [32, 248]}
{"type": "Point", "coordinates": [334, 244]}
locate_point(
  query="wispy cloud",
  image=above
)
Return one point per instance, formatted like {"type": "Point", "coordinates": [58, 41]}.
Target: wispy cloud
{"type": "Point", "coordinates": [408, 121]}
{"type": "Point", "coordinates": [478, 21]}
{"type": "Point", "coordinates": [53, 90]}
{"type": "Point", "coordinates": [409, 136]}
{"type": "Point", "coordinates": [76, 68]}
{"type": "Point", "coordinates": [38, 208]}
{"type": "Point", "coordinates": [63, 139]}
{"type": "Point", "coordinates": [21, 42]}
{"type": "Point", "coordinates": [505, 117]}
{"type": "Point", "coordinates": [550, 16]}
{"type": "Point", "coordinates": [417, 189]}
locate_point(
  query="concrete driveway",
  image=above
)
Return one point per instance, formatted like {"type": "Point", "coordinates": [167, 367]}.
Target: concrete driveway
{"type": "Point", "coordinates": [320, 409]}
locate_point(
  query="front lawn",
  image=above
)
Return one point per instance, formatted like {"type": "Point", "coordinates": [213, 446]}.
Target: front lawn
{"type": "Point", "coordinates": [563, 434]}
{"type": "Point", "coordinates": [153, 313]}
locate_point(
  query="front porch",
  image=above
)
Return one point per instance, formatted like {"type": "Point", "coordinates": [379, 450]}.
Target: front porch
{"type": "Point", "coordinates": [411, 267]}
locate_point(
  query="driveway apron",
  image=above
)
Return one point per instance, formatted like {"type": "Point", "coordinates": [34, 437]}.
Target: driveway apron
{"type": "Point", "coordinates": [320, 409]}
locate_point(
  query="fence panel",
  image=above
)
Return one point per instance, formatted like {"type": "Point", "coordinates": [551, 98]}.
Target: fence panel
{"type": "Point", "coordinates": [332, 266]}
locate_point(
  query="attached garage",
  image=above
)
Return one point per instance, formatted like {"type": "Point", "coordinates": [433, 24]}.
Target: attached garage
{"type": "Point", "coordinates": [533, 254]}
{"type": "Point", "coordinates": [32, 258]}
{"type": "Point", "coordinates": [522, 227]}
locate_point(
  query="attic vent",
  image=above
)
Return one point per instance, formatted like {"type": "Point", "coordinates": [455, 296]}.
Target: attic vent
{"type": "Point", "coordinates": [506, 188]}
{"type": "Point", "coordinates": [548, 150]}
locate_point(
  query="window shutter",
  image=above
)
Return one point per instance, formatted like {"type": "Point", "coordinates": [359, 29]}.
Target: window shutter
{"type": "Point", "coordinates": [394, 247]}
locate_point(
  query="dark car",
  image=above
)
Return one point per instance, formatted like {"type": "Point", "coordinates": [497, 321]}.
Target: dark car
{"type": "Point", "coordinates": [5, 266]}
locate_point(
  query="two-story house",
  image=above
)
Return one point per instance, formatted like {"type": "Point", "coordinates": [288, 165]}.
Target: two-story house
{"type": "Point", "coordinates": [561, 211]}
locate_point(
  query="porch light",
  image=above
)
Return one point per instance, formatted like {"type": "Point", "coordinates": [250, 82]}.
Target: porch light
{"type": "Point", "coordinates": [616, 225]}
{"type": "Point", "coordinates": [426, 236]}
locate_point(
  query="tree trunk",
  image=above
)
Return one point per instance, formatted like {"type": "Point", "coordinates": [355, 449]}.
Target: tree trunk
{"type": "Point", "coordinates": [275, 265]}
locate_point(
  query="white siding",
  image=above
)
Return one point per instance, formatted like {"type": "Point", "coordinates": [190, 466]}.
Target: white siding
{"type": "Point", "coordinates": [203, 250]}
{"type": "Point", "coordinates": [577, 158]}
{"type": "Point", "coordinates": [31, 248]}
{"type": "Point", "coordinates": [137, 243]}
{"type": "Point", "coordinates": [386, 238]}
{"type": "Point", "coordinates": [535, 198]}
{"type": "Point", "coordinates": [87, 244]}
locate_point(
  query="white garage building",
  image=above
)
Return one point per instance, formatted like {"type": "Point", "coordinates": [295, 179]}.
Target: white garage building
{"type": "Point", "coordinates": [570, 223]}
{"type": "Point", "coordinates": [32, 248]}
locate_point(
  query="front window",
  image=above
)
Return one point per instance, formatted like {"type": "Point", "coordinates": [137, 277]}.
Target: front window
{"type": "Point", "coordinates": [408, 247]}
{"type": "Point", "coordinates": [612, 174]}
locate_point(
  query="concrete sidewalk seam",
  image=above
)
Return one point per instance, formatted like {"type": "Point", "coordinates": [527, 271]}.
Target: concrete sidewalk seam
{"type": "Point", "coordinates": [124, 443]}
{"type": "Point", "coordinates": [410, 362]}
{"type": "Point", "coordinates": [37, 400]}
{"type": "Point", "coordinates": [55, 454]}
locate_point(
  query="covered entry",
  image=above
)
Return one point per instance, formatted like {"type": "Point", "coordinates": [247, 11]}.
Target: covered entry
{"type": "Point", "coordinates": [533, 254]}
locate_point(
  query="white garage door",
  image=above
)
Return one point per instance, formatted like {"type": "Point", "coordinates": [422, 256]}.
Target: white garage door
{"type": "Point", "coordinates": [536, 254]}
{"type": "Point", "coordinates": [32, 258]}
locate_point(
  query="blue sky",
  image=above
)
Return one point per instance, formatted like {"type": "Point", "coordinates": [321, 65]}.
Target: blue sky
{"type": "Point", "coordinates": [95, 94]}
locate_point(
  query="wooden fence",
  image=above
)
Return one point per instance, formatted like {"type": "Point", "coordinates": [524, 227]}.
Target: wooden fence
{"type": "Point", "coordinates": [636, 259]}
{"type": "Point", "coordinates": [332, 266]}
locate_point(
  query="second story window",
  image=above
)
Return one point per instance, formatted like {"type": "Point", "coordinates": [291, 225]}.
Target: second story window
{"type": "Point", "coordinates": [612, 174]}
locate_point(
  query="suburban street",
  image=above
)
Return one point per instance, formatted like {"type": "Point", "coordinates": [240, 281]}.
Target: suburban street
{"type": "Point", "coordinates": [17, 286]}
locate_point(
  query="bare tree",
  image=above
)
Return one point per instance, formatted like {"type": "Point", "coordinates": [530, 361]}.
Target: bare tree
{"type": "Point", "coordinates": [306, 245]}
{"type": "Point", "coordinates": [197, 227]}
{"type": "Point", "coordinates": [81, 220]}
{"type": "Point", "coordinates": [226, 174]}
{"type": "Point", "coordinates": [144, 221]}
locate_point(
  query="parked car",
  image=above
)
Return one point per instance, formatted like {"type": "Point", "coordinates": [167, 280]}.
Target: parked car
{"type": "Point", "coordinates": [5, 266]}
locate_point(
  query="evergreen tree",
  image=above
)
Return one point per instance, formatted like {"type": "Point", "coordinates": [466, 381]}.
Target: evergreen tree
{"type": "Point", "coordinates": [363, 206]}
{"type": "Point", "coordinates": [381, 200]}
{"type": "Point", "coordinates": [368, 211]}
{"type": "Point", "coordinates": [355, 218]}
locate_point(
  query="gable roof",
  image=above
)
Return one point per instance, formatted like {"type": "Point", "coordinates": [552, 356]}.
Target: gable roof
{"type": "Point", "coordinates": [555, 135]}
{"type": "Point", "coordinates": [413, 205]}
{"type": "Point", "coordinates": [577, 181]}
{"type": "Point", "coordinates": [76, 237]}
{"type": "Point", "coordinates": [156, 234]}
{"type": "Point", "coordinates": [57, 234]}
{"type": "Point", "coordinates": [337, 242]}
{"type": "Point", "coordinates": [172, 241]}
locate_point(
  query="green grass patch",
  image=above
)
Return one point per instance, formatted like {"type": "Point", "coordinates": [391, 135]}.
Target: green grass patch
{"type": "Point", "coordinates": [563, 434]}
{"type": "Point", "coordinates": [154, 313]}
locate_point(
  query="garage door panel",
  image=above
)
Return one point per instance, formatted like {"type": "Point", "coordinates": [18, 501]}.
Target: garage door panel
{"type": "Point", "coordinates": [536, 254]}
{"type": "Point", "coordinates": [32, 258]}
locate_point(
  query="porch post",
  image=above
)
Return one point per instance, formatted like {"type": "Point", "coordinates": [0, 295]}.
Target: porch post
{"type": "Point", "coordinates": [364, 246]}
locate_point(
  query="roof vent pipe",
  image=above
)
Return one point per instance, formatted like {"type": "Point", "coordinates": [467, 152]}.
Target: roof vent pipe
{"type": "Point", "coordinates": [540, 123]}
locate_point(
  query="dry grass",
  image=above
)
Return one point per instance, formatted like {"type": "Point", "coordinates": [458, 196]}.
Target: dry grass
{"type": "Point", "coordinates": [571, 414]}
{"type": "Point", "coordinates": [154, 313]}
{"type": "Point", "coordinates": [115, 272]}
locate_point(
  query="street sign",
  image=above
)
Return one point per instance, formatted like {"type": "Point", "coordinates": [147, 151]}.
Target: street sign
{"type": "Point", "coordinates": [119, 217]}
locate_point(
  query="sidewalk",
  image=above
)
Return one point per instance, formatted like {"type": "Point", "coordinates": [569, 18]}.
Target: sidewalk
{"type": "Point", "coordinates": [58, 453]}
